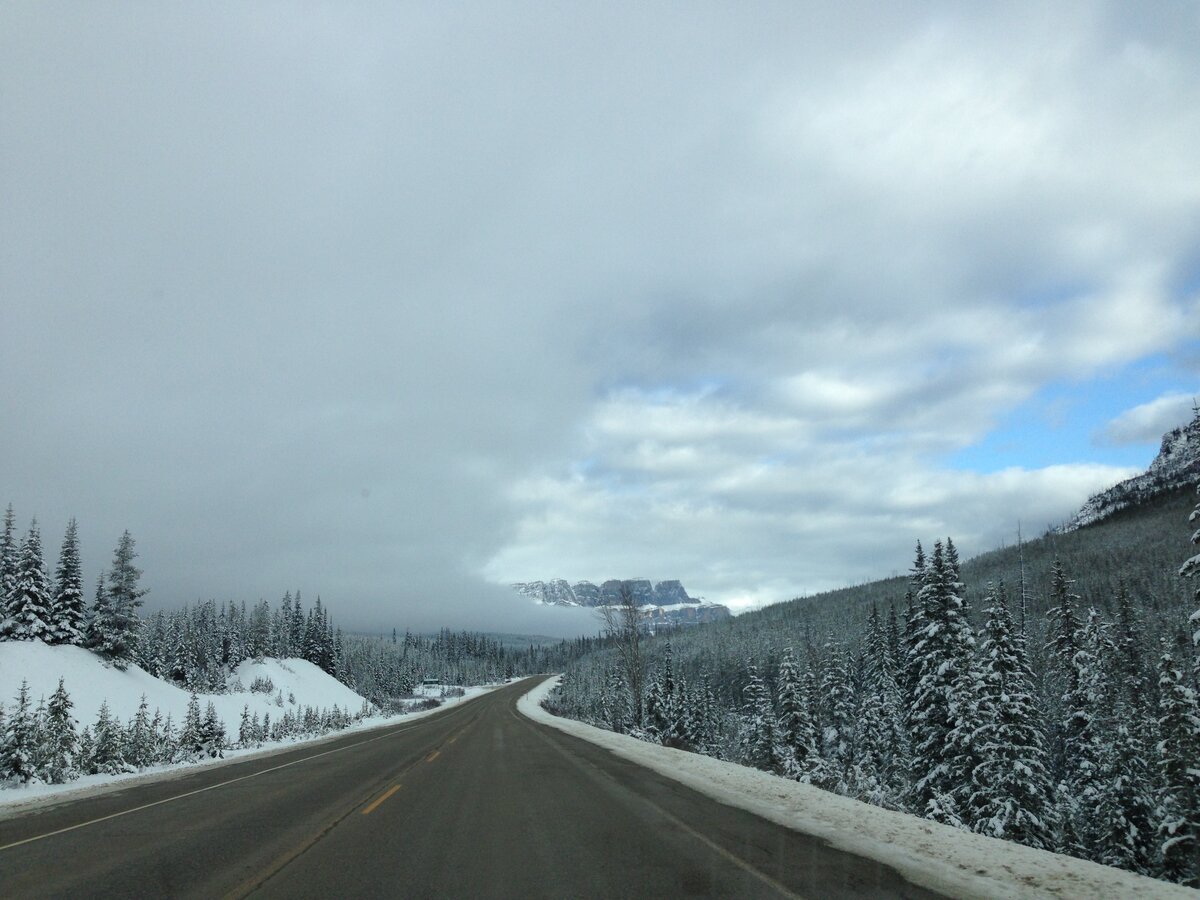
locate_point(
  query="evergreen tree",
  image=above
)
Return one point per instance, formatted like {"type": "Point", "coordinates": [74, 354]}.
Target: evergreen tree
{"type": "Point", "coordinates": [114, 626]}
{"type": "Point", "coordinates": [914, 629]}
{"type": "Point", "coordinates": [760, 744]}
{"type": "Point", "coordinates": [212, 734]}
{"type": "Point", "coordinates": [1123, 831]}
{"type": "Point", "coordinates": [60, 739]}
{"type": "Point", "coordinates": [140, 738]}
{"type": "Point", "coordinates": [166, 744]}
{"type": "Point", "coordinates": [1012, 789]}
{"type": "Point", "coordinates": [617, 703]}
{"type": "Point", "coordinates": [1062, 676]}
{"type": "Point", "coordinates": [880, 744]}
{"type": "Point", "coordinates": [944, 650]}
{"type": "Point", "coordinates": [29, 605]}
{"type": "Point", "coordinates": [663, 713]}
{"type": "Point", "coordinates": [9, 560]}
{"type": "Point", "coordinates": [837, 717]}
{"type": "Point", "coordinates": [19, 747]}
{"type": "Point", "coordinates": [67, 610]}
{"type": "Point", "coordinates": [245, 729]}
{"type": "Point", "coordinates": [1178, 809]}
{"type": "Point", "coordinates": [797, 731]}
{"type": "Point", "coordinates": [1191, 569]}
{"type": "Point", "coordinates": [190, 745]}
{"type": "Point", "coordinates": [108, 752]}
{"type": "Point", "coordinates": [87, 748]}
{"type": "Point", "coordinates": [1083, 738]}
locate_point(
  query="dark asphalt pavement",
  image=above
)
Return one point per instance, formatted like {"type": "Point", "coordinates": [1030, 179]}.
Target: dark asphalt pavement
{"type": "Point", "coordinates": [476, 801]}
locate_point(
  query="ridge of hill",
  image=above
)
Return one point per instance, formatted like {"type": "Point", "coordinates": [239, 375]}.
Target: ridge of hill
{"type": "Point", "coordinates": [1176, 465]}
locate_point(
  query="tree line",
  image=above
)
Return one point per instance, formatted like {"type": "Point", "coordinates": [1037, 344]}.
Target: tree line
{"type": "Point", "coordinates": [43, 744]}
{"type": "Point", "coordinates": [35, 607]}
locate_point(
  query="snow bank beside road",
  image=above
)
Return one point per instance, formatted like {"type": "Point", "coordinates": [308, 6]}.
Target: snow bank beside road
{"type": "Point", "coordinates": [943, 859]}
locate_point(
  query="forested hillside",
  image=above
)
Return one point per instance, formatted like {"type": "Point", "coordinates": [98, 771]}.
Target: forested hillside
{"type": "Point", "coordinates": [1044, 692]}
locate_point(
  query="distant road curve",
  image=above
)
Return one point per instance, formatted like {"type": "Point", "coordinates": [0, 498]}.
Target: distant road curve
{"type": "Point", "coordinates": [477, 801]}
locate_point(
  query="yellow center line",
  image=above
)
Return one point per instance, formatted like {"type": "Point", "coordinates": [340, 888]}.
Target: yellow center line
{"type": "Point", "coordinates": [370, 809]}
{"type": "Point", "coordinates": [432, 756]}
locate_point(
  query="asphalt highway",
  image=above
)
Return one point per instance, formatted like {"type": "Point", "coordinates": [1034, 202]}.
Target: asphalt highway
{"type": "Point", "coordinates": [476, 801]}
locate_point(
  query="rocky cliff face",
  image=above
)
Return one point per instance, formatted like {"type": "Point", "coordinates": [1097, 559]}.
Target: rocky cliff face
{"type": "Point", "coordinates": [558, 592]}
{"type": "Point", "coordinates": [664, 603]}
{"type": "Point", "coordinates": [1177, 465]}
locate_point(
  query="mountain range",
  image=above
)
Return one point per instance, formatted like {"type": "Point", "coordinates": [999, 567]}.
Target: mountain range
{"type": "Point", "coordinates": [661, 603]}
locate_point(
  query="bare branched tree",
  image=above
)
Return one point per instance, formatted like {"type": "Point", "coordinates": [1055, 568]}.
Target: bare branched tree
{"type": "Point", "coordinates": [623, 623]}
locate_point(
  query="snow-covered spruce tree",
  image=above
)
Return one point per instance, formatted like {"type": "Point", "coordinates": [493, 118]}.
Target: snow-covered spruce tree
{"type": "Point", "coordinates": [68, 606]}
{"type": "Point", "coordinates": [661, 706]}
{"type": "Point", "coordinates": [1061, 676]}
{"type": "Point", "coordinates": [114, 627]}
{"type": "Point", "coordinates": [880, 743]}
{"type": "Point", "coordinates": [914, 629]}
{"type": "Point", "coordinates": [190, 745]}
{"type": "Point", "coordinates": [246, 729]}
{"type": "Point", "coordinates": [1012, 791]}
{"type": "Point", "coordinates": [212, 734]}
{"type": "Point", "coordinates": [1191, 569]}
{"type": "Point", "coordinates": [1178, 808]}
{"type": "Point", "coordinates": [944, 651]}
{"type": "Point", "coordinates": [166, 746]}
{"type": "Point", "coordinates": [760, 746]}
{"type": "Point", "coordinates": [837, 718]}
{"type": "Point", "coordinates": [19, 742]}
{"type": "Point", "coordinates": [1083, 735]}
{"type": "Point", "coordinates": [1123, 833]}
{"type": "Point", "coordinates": [140, 739]}
{"type": "Point", "coordinates": [615, 700]}
{"type": "Point", "coordinates": [9, 556]}
{"type": "Point", "coordinates": [59, 739]}
{"type": "Point", "coordinates": [258, 631]}
{"type": "Point", "coordinates": [965, 751]}
{"type": "Point", "coordinates": [707, 720]}
{"type": "Point", "coordinates": [797, 730]}
{"type": "Point", "coordinates": [29, 605]}
{"type": "Point", "coordinates": [108, 753]}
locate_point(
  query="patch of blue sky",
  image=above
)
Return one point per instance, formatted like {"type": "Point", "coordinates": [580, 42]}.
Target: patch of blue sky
{"type": "Point", "coordinates": [1063, 422]}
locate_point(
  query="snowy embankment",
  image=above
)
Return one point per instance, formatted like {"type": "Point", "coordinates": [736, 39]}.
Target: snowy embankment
{"type": "Point", "coordinates": [296, 683]}
{"type": "Point", "coordinates": [938, 857]}
{"type": "Point", "coordinates": [90, 682]}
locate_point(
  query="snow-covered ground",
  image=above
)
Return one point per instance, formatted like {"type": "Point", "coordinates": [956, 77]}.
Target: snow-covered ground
{"type": "Point", "coordinates": [90, 682]}
{"type": "Point", "coordinates": [941, 858]}
{"type": "Point", "coordinates": [297, 683]}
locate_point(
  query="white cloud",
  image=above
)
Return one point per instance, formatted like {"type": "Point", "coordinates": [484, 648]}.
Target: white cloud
{"type": "Point", "coordinates": [747, 524]}
{"type": "Point", "coordinates": [1147, 422]}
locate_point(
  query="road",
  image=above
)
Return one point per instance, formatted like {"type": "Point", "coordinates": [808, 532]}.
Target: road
{"type": "Point", "coordinates": [476, 801]}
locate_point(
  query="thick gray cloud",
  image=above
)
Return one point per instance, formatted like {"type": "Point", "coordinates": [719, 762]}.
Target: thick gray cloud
{"type": "Point", "coordinates": [383, 302]}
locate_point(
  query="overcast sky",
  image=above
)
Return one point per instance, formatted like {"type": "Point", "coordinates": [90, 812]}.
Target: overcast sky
{"type": "Point", "coordinates": [396, 303]}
